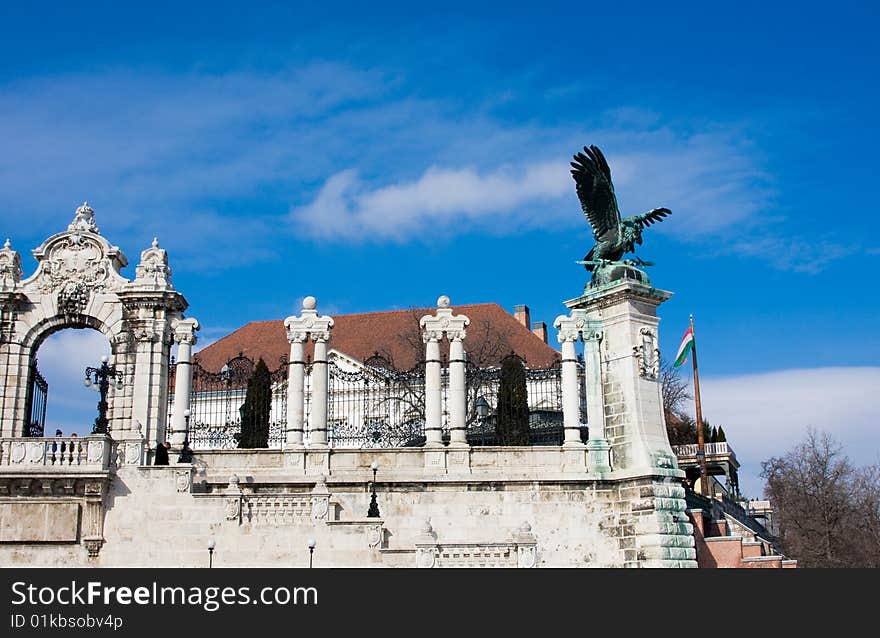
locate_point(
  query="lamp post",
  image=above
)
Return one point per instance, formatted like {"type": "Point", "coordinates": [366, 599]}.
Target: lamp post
{"type": "Point", "coordinates": [186, 454]}
{"type": "Point", "coordinates": [211, 545]}
{"type": "Point", "coordinates": [311, 551]}
{"type": "Point", "coordinates": [373, 512]}
{"type": "Point", "coordinates": [99, 378]}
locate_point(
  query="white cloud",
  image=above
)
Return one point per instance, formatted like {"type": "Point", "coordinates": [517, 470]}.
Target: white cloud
{"type": "Point", "coordinates": [711, 181]}
{"type": "Point", "coordinates": [348, 208]}
{"type": "Point", "coordinates": [767, 414]}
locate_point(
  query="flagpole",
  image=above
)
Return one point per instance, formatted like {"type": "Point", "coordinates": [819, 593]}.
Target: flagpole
{"type": "Point", "coordinates": [701, 440]}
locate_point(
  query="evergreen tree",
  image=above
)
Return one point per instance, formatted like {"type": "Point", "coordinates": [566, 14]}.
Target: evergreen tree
{"type": "Point", "coordinates": [256, 408]}
{"type": "Point", "coordinates": [512, 420]}
{"type": "Point", "coordinates": [721, 436]}
{"type": "Point", "coordinates": [714, 436]}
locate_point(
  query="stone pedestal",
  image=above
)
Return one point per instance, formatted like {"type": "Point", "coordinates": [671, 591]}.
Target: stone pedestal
{"type": "Point", "coordinates": [624, 312]}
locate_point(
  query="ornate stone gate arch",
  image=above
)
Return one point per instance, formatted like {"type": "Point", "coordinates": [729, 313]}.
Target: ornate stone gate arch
{"type": "Point", "coordinates": [77, 284]}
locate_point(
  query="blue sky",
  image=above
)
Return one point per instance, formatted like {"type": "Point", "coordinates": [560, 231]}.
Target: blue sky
{"type": "Point", "coordinates": [378, 156]}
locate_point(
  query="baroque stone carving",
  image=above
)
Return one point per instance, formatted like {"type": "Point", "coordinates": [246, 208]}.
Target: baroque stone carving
{"type": "Point", "coordinates": [72, 298]}
{"type": "Point", "coordinates": [10, 267]}
{"type": "Point", "coordinates": [444, 323]}
{"type": "Point", "coordinates": [648, 354]}
{"type": "Point", "coordinates": [308, 323]}
{"type": "Point", "coordinates": [153, 269]}
{"type": "Point", "coordinates": [84, 220]}
{"type": "Point", "coordinates": [183, 480]}
{"type": "Point", "coordinates": [425, 557]}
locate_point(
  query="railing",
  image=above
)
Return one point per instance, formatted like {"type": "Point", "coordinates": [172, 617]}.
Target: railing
{"type": "Point", "coordinates": [57, 453]}
{"type": "Point", "coordinates": [373, 405]}
{"type": "Point", "coordinates": [712, 449]}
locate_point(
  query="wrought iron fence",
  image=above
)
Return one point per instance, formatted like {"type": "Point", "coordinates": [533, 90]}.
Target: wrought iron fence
{"type": "Point", "coordinates": [375, 406]}
{"type": "Point", "coordinates": [217, 402]}
{"type": "Point", "coordinates": [544, 389]}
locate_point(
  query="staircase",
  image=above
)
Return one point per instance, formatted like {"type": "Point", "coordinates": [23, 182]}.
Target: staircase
{"type": "Point", "coordinates": [725, 540]}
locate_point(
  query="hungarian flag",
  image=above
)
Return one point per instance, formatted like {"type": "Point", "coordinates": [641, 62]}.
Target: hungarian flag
{"type": "Point", "coordinates": [687, 344]}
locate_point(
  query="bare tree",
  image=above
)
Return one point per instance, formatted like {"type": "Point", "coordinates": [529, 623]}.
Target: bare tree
{"type": "Point", "coordinates": [826, 511]}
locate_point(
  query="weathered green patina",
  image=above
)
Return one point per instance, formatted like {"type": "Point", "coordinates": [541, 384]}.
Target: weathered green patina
{"type": "Point", "coordinates": [615, 236]}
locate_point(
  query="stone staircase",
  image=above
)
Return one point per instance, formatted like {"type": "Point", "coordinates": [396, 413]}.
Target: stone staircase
{"type": "Point", "coordinates": [724, 540]}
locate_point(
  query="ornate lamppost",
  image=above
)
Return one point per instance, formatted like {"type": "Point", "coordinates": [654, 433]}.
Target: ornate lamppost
{"type": "Point", "coordinates": [186, 454]}
{"type": "Point", "coordinates": [374, 505]}
{"type": "Point", "coordinates": [100, 379]}
{"type": "Point", "coordinates": [211, 545]}
{"type": "Point", "coordinates": [311, 551]}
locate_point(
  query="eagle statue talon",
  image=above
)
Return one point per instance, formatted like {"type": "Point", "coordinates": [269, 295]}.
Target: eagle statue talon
{"type": "Point", "coordinates": [615, 236]}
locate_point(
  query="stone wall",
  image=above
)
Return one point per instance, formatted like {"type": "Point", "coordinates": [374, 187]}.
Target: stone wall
{"type": "Point", "coordinates": [496, 507]}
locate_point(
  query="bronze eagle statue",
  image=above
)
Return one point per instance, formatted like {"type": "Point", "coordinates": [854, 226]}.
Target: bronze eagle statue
{"type": "Point", "coordinates": [614, 236]}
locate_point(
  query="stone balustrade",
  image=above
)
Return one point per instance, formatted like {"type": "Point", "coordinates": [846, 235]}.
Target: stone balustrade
{"type": "Point", "coordinates": [57, 454]}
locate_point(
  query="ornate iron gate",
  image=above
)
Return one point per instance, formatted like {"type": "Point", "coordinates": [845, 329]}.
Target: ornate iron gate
{"type": "Point", "coordinates": [37, 395]}
{"type": "Point", "coordinates": [376, 406]}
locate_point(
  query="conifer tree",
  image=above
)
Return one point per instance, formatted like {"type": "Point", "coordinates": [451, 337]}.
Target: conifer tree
{"type": "Point", "coordinates": [512, 420]}
{"type": "Point", "coordinates": [256, 408]}
{"type": "Point", "coordinates": [722, 437]}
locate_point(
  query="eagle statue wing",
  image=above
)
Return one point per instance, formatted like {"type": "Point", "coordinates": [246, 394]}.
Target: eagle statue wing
{"type": "Point", "coordinates": [596, 192]}
{"type": "Point", "coordinates": [651, 217]}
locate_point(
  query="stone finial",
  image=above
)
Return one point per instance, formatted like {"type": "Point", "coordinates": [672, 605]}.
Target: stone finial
{"type": "Point", "coordinates": [153, 271]}
{"type": "Point", "coordinates": [525, 528]}
{"type": "Point", "coordinates": [84, 219]}
{"type": "Point", "coordinates": [10, 267]}
{"type": "Point", "coordinates": [309, 323]}
{"type": "Point", "coordinates": [427, 529]}
{"type": "Point", "coordinates": [444, 323]}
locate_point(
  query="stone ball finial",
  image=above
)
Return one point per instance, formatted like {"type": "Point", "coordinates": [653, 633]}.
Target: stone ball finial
{"type": "Point", "coordinates": [443, 302]}
{"type": "Point", "coordinates": [525, 528]}
{"type": "Point", "coordinates": [233, 480]}
{"type": "Point", "coordinates": [322, 479]}
{"type": "Point", "coordinates": [310, 303]}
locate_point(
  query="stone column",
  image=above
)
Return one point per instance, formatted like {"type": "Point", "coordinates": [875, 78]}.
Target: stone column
{"type": "Point", "coordinates": [434, 328]}
{"type": "Point", "coordinates": [299, 329]}
{"type": "Point", "coordinates": [295, 390]}
{"type": "Point", "coordinates": [185, 337]}
{"type": "Point", "coordinates": [457, 397]}
{"type": "Point", "coordinates": [318, 420]}
{"type": "Point", "coordinates": [571, 417]}
{"type": "Point", "coordinates": [433, 392]}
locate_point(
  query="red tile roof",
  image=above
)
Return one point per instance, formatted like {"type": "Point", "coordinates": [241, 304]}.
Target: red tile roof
{"type": "Point", "coordinates": [492, 334]}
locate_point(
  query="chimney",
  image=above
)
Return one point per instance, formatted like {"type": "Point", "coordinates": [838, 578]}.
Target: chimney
{"type": "Point", "coordinates": [540, 329]}
{"type": "Point", "coordinates": [521, 314]}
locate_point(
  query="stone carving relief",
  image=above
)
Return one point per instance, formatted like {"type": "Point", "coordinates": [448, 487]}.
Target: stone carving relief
{"type": "Point", "coordinates": [10, 267]}
{"type": "Point", "coordinates": [73, 259]}
{"type": "Point", "coordinates": [183, 480]}
{"type": "Point", "coordinates": [84, 220]}
{"type": "Point", "coordinates": [153, 269]}
{"type": "Point", "coordinates": [648, 354]}
{"type": "Point", "coordinates": [72, 298]}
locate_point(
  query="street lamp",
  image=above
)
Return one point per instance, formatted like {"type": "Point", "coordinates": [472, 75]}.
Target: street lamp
{"type": "Point", "coordinates": [373, 512]}
{"type": "Point", "coordinates": [99, 379]}
{"type": "Point", "coordinates": [186, 454]}
{"type": "Point", "coordinates": [482, 407]}
{"type": "Point", "coordinates": [311, 551]}
{"type": "Point", "coordinates": [211, 545]}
